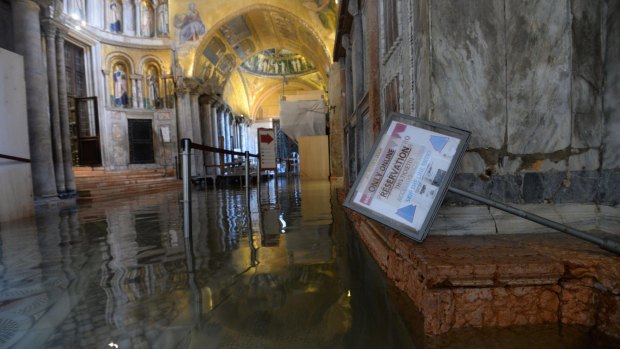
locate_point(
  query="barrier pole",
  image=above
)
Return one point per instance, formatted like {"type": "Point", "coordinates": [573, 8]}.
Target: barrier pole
{"type": "Point", "coordinates": [247, 178]}
{"type": "Point", "coordinates": [187, 194]}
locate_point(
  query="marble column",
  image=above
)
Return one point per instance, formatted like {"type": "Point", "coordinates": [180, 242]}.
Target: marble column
{"type": "Point", "coordinates": [346, 44]}
{"type": "Point", "coordinates": [140, 93]}
{"type": "Point", "coordinates": [49, 29]}
{"type": "Point", "coordinates": [357, 47]}
{"type": "Point", "coordinates": [213, 134]}
{"type": "Point", "coordinates": [215, 117]}
{"type": "Point", "coordinates": [108, 99]}
{"type": "Point", "coordinates": [134, 91]}
{"type": "Point", "coordinates": [165, 89]}
{"type": "Point", "coordinates": [129, 23]}
{"type": "Point", "coordinates": [196, 133]}
{"type": "Point", "coordinates": [63, 107]}
{"type": "Point", "coordinates": [27, 36]}
{"type": "Point", "coordinates": [205, 127]}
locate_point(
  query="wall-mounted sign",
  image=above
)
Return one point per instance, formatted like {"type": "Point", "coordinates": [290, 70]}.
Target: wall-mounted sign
{"type": "Point", "coordinates": [267, 149]}
{"type": "Point", "coordinates": [407, 174]}
{"type": "Point", "coordinates": [165, 134]}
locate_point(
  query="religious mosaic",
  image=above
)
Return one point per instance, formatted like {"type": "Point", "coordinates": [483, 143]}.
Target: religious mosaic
{"type": "Point", "coordinates": [277, 62]}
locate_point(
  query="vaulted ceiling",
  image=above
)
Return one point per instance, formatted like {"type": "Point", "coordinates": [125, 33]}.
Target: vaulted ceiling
{"type": "Point", "coordinates": [254, 50]}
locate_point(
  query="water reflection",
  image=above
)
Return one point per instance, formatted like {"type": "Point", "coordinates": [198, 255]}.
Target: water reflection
{"type": "Point", "coordinates": [283, 273]}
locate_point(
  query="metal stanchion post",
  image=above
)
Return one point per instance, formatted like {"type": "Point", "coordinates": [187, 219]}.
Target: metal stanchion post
{"type": "Point", "coordinates": [187, 194]}
{"type": "Point", "coordinates": [247, 178]}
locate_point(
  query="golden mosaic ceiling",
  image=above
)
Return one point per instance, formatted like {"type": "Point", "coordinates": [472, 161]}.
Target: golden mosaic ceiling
{"type": "Point", "coordinates": [249, 38]}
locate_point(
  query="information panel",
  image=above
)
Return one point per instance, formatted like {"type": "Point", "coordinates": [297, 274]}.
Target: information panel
{"type": "Point", "coordinates": [407, 174]}
{"type": "Point", "coordinates": [267, 149]}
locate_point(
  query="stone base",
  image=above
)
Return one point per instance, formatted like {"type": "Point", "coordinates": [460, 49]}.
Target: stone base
{"type": "Point", "coordinates": [499, 280]}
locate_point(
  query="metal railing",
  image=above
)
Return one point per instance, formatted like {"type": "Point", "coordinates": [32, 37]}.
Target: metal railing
{"type": "Point", "coordinates": [187, 145]}
{"type": "Point", "coordinates": [14, 158]}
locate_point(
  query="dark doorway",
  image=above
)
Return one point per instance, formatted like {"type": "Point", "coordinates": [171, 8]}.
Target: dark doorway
{"type": "Point", "coordinates": [87, 131]}
{"type": "Point", "coordinates": [140, 141]}
{"type": "Point", "coordinates": [83, 112]}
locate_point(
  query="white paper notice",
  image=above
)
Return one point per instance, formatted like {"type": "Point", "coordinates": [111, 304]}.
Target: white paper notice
{"type": "Point", "coordinates": [403, 178]}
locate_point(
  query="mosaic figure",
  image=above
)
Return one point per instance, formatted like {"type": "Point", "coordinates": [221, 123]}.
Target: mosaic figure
{"type": "Point", "coordinates": [162, 19]}
{"type": "Point", "coordinates": [116, 13]}
{"type": "Point", "coordinates": [120, 87]}
{"type": "Point", "coordinates": [190, 24]}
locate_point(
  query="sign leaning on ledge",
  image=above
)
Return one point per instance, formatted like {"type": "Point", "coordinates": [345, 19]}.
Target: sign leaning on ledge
{"type": "Point", "coordinates": [407, 174]}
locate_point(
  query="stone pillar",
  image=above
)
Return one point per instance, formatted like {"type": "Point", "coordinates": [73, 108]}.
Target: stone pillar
{"type": "Point", "coordinates": [346, 44]}
{"type": "Point", "coordinates": [205, 127]}
{"type": "Point", "coordinates": [215, 107]}
{"type": "Point", "coordinates": [214, 134]}
{"type": "Point", "coordinates": [49, 28]}
{"type": "Point", "coordinates": [357, 46]}
{"type": "Point", "coordinates": [129, 24]}
{"type": "Point", "coordinates": [27, 34]}
{"type": "Point", "coordinates": [63, 106]}
{"type": "Point", "coordinates": [198, 162]}
{"type": "Point", "coordinates": [107, 95]}
{"type": "Point", "coordinates": [140, 93]}
{"type": "Point", "coordinates": [165, 89]}
{"type": "Point", "coordinates": [134, 91]}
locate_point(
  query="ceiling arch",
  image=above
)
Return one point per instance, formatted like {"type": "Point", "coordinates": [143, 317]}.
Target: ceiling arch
{"type": "Point", "coordinates": [247, 30]}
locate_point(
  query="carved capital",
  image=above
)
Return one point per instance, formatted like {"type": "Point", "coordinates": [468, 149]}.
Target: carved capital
{"type": "Point", "coordinates": [49, 28]}
{"type": "Point", "coordinates": [61, 33]}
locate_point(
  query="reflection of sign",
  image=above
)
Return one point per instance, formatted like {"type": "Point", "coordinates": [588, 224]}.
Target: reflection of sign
{"type": "Point", "coordinates": [407, 174]}
{"type": "Point", "coordinates": [165, 134]}
{"type": "Point", "coordinates": [267, 148]}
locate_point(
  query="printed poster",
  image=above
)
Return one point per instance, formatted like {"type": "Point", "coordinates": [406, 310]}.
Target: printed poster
{"type": "Point", "coordinates": [403, 179]}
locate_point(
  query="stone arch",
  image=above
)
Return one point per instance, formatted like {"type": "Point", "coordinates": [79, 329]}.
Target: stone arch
{"type": "Point", "coordinates": [212, 33]}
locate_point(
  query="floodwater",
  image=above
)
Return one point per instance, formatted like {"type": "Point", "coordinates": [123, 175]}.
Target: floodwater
{"type": "Point", "coordinates": [120, 274]}
{"type": "Point", "coordinates": [290, 274]}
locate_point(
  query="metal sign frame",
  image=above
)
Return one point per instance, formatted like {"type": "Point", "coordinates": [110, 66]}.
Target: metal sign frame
{"type": "Point", "coordinates": [407, 173]}
{"type": "Point", "coordinates": [263, 151]}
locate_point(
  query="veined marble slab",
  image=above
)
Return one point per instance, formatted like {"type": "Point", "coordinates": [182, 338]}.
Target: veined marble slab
{"type": "Point", "coordinates": [482, 220]}
{"type": "Point", "coordinates": [538, 74]}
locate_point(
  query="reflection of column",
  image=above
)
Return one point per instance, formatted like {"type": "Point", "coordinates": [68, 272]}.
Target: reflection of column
{"type": "Point", "coordinates": [63, 106]}
{"type": "Point", "coordinates": [49, 29]}
{"type": "Point", "coordinates": [27, 35]}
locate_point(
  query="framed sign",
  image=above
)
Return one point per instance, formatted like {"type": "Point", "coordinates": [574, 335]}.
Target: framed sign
{"type": "Point", "coordinates": [407, 174]}
{"type": "Point", "coordinates": [267, 149]}
{"type": "Point", "coordinates": [165, 134]}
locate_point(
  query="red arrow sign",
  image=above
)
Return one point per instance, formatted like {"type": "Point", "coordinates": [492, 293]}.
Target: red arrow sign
{"type": "Point", "coordinates": [266, 138]}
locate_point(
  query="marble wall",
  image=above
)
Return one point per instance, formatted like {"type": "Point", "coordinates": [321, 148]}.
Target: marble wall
{"type": "Point", "coordinates": [15, 177]}
{"type": "Point", "coordinates": [536, 83]}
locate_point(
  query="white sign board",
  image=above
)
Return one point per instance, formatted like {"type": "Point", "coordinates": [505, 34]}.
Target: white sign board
{"type": "Point", "coordinates": [165, 134]}
{"type": "Point", "coordinates": [267, 149]}
{"type": "Point", "coordinates": [407, 174]}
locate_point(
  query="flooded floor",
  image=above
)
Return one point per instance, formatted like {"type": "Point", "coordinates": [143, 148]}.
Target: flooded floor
{"type": "Point", "coordinates": [121, 274]}
{"type": "Point", "coordinates": [290, 274]}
